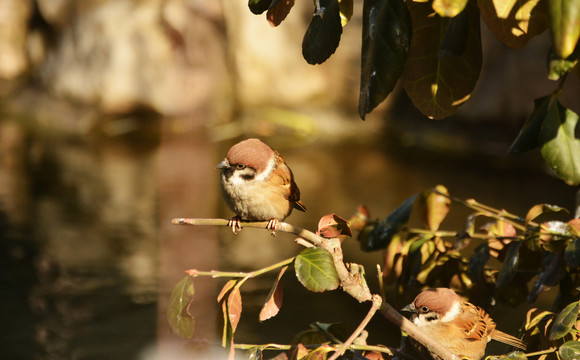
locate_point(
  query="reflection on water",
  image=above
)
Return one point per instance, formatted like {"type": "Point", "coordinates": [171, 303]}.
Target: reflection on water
{"type": "Point", "coordinates": [79, 244]}
{"type": "Point", "coordinates": [81, 251]}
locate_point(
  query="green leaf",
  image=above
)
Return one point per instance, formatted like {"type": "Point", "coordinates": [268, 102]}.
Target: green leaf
{"type": "Point", "coordinates": [528, 137]}
{"type": "Point", "coordinates": [456, 35]}
{"type": "Point", "coordinates": [315, 270]}
{"type": "Point", "coordinates": [439, 86]}
{"type": "Point", "coordinates": [560, 143]}
{"type": "Point", "coordinates": [386, 37]}
{"type": "Point", "coordinates": [552, 270]}
{"type": "Point", "coordinates": [570, 350]}
{"type": "Point", "coordinates": [514, 22]}
{"type": "Point", "coordinates": [572, 254]}
{"type": "Point", "coordinates": [510, 265]}
{"type": "Point", "coordinates": [323, 34]}
{"type": "Point", "coordinates": [449, 8]}
{"type": "Point", "coordinates": [514, 355]}
{"type": "Point", "coordinates": [477, 262]}
{"type": "Point", "coordinates": [381, 235]}
{"type": "Point", "coordinates": [259, 6]}
{"type": "Point", "coordinates": [182, 323]}
{"type": "Point", "coordinates": [564, 321]}
{"type": "Point", "coordinates": [565, 25]}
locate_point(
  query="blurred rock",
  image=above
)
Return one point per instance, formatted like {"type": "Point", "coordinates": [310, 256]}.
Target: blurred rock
{"type": "Point", "coordinates": [14, 16]}
{"type": "Point", "coordinates": [120, 54]}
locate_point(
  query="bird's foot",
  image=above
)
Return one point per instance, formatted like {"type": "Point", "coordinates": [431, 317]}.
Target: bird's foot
{"type": "Point", "coordinates": [273, 226]}
{"type": "Point", "coordinates": [235, 224]}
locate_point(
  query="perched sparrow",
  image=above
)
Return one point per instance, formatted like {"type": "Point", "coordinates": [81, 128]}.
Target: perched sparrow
{"type": "Point", "coordinates": [462, 327]}
{"type": "Point", "coordinates": [258, 185]}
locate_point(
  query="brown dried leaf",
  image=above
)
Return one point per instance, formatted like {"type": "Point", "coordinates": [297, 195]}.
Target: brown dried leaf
{"type": "Point", "coordinates": [227, 287]}
{"type": "Point", "coordinates": [277, 13]}
{"type": "Point", "coordinates": [274, 300]}
{"type": "Point", "coordinates": [234, 307]}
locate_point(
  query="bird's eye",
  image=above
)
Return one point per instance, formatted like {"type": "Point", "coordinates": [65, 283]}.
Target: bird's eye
{"type": "Point", "coordinates": [240, 166]}
{"type": "Point", "coordinates": [424, 309]}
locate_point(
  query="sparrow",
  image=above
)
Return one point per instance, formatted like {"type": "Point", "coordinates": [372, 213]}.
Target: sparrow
{"type": "Point", "coordinates": [257, 185]}
{"type": "Point", "coordinates": [462, 327]}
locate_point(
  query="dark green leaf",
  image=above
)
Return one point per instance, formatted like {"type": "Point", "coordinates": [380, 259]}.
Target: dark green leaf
{"type": "Point", "coordinates": [564, 321]}
{"type": "Point", "coordinates": [323, 34]}
{"type": "Point", "coordinates": [528, 136]}
{"type": "Point", "coordinates": [510, 265]}
{"type": "Point", "coordinates": [381, 235]}
{"type": "Point", "coordinates": [181, 321]}
{"type": "Point", "coordinates": [572, 254]}
{"type": "Point", "coordinates": [386, 37]}
{"type": "Point", "coordinates": [315, 270]}
{"type": "Point", "coordinates": [335, 332]}
{"type": "Point", "coordinates": [455, 40]}
{"type": "Point", "coordinates": [552, 270]}
{"type": "Point", "coordinates": [560, 143]}
{"type": "Point", "coordinates": [565, 25]}
{"type": "Point", "coordinates": [259, 6]}
{"type": "Point", "coordinates": [478, 260]}
{"type": "Point", "coordinates": [514, 22]}
{"type": "Point", "coordinates": [439, 86]}
{"type": "Point", "coordinates": [570, 350]}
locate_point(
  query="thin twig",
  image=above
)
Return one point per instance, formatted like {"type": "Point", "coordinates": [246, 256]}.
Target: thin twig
{"type": "Point", "coordinates": [377, 300]}
{"type": "Point", "coordinates": [235, 274]}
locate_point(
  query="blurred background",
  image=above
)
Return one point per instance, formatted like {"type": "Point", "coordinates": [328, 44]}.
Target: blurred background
{"type": "Point", "coordinates": [113, 115]}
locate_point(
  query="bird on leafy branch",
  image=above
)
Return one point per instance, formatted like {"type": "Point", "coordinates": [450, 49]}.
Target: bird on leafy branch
{"type": "Point", "coordinates": [462, 327]}
{"type": "Point", "coordinates": [258, 185]}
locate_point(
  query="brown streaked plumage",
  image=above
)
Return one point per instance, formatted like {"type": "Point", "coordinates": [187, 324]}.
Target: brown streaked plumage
{"type": "Point", "coordinates": [257, 184]}
{"type": "Point", "coordinates": [462, 327]}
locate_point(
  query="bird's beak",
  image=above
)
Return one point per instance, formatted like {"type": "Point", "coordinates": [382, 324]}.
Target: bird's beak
{"type": "Point", "coordinates": [409, 308]}
{"type": "Point", "coordinates": [224, 164]}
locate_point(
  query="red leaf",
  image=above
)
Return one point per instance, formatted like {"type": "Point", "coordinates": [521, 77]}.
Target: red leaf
{"type": "Point", "coordinates": [331, 226]}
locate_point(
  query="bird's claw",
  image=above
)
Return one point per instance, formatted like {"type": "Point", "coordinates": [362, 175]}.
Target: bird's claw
{"type": "Point", "coordinates": [235, 224]}
{"type": "Point", "coordinates": [273, 226]}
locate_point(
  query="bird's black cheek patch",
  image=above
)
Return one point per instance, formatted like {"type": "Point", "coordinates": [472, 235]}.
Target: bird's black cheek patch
{"type": "Point", "coordinates": [431, 317]}
{"type": "Point", "coordinates": [227, 173]}
{"type": "Point", "coordinates": [248, 176]}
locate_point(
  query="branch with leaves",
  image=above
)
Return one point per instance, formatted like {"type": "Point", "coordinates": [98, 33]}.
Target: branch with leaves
{"type": "Point", "coordinates": [434, 49]}
{"type": "Point", "coordinates": [415, 258]}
